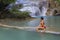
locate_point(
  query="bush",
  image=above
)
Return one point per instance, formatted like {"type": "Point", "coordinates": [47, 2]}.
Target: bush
{"type": "Point", "coordinates": [23, 14]}
{"type": "Point", "coordinates": [58, 1]}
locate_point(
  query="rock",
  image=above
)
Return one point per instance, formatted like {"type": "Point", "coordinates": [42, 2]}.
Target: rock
{"type": "Point", "coordinates": [53, 8]}
{"type": "Point", "coordinates": [57, 14]}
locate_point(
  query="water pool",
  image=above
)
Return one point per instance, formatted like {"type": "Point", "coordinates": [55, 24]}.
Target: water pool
{"type": "Point", "coordinates": [15, 34]}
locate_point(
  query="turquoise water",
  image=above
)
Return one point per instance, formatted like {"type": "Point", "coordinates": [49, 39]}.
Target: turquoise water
{"type": "Point", "coordinates": [53, 22]}
{"type": "Point", "coordinates": [15, 34]}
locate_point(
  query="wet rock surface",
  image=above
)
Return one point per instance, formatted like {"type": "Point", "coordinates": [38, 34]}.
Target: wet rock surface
{"type": "Point", "coordinates": [53, 8]}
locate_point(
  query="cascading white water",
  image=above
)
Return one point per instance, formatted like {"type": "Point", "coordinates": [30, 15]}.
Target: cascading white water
{"type": "Point", "coordinates": [44, 10]}
{"type": "Point", "coordinates": [33, 7]}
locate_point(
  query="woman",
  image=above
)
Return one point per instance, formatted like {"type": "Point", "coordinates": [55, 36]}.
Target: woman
{"type": "Point", "coordinates": [42, 25]}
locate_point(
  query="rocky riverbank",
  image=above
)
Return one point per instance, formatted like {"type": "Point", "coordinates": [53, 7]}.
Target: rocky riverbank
{"type": "Point", "coordinates": [53, 8]}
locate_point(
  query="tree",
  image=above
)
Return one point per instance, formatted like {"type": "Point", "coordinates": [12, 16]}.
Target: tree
{"type": "Point", "coordinates": [3, 5]}
{"type": "Point", "coordinates": [19, 14]}
{"type": "Point", "coordinates": [13, 11]}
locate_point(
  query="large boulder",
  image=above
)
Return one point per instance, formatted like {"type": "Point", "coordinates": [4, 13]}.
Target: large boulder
{"type": "Point", "coordinates": [53, 8]}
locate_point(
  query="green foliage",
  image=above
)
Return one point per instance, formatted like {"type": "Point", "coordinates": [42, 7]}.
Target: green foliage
{"type": "Point", "coordinates": [20, 6]}
{"type": "Point", "coordinates": [14, 8]}
{"type": "Point", "coordinates": [7, 1]}
{"type": "Point", "coordinates": [13, 12]}
{"type": "Point", "coordinates": [19, 14]}
{"type": "Point", "coordinates": [58, 1]}
{"type": "Point", "coordinates": [23, 14]}
{"type": "Point", "coordinates": [3, 5]}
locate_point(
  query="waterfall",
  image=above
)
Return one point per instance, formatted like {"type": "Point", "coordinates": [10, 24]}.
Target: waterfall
{"type": "Point", "coordinates": [33, 7]}
{"type": "Point", "coordinates": [44, 10]}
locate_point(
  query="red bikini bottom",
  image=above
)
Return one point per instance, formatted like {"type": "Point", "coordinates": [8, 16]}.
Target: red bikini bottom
{"type": "Point", "coordinates": [42, 28]}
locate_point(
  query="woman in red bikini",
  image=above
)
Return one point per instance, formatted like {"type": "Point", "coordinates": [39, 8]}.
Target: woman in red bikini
{"type": "Point", "coordinates": [42, 25]}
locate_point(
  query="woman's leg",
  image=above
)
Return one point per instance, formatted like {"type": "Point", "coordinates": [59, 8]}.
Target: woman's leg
{"type": "Point", "coordinates": [37, 29]}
